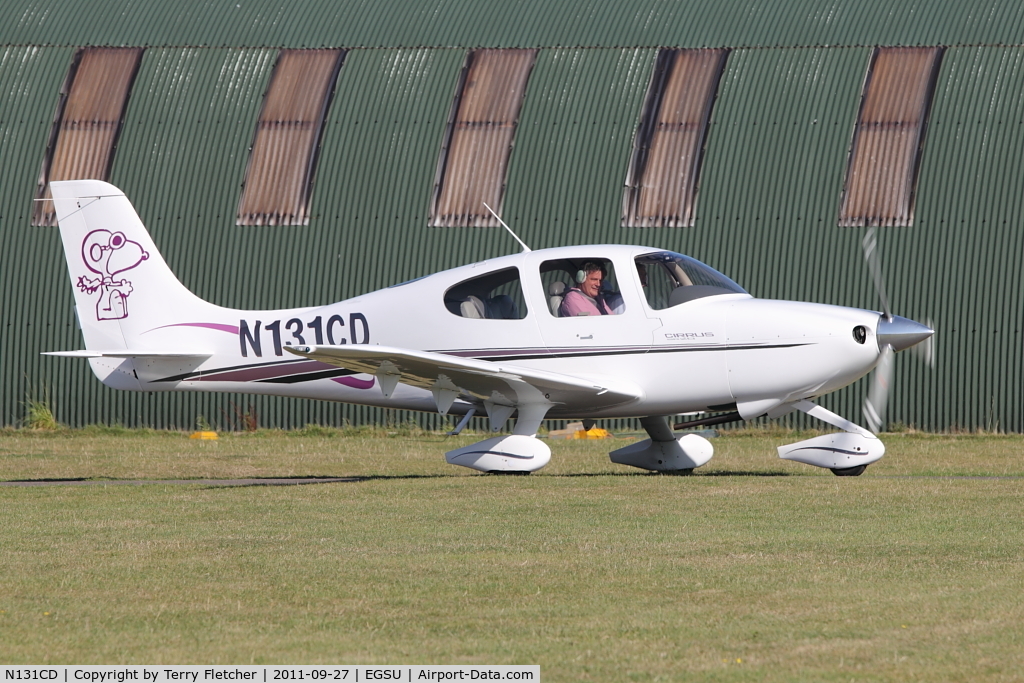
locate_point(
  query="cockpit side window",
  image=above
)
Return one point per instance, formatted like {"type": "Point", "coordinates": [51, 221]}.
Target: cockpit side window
{"type": "Point", "coordinates": [670, 279]}
{"type": "Point", "coordinates": [494, 296]}
{"type": "Point", "coordinates": [581, 287]}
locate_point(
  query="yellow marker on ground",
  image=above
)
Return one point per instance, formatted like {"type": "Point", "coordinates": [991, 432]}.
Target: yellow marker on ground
{"type": "Point", "coordinates": [592, 433]}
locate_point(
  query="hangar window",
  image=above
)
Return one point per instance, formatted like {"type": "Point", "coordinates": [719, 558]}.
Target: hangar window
{"type": "Point", "coordinates": [478, 143]}
{"type": "Point", "coordinates": [88, 120]}
{"type": "Point", "coordinates": [661, 184]}
{"type": "Point", "coordinates": [282, 160]}
{"type": "Point", "coordinates": [497, 296]}
{"type": "Point", "coordinates": [885, 154]}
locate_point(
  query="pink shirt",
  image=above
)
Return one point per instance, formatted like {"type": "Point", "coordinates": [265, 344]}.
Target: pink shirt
{"type": "Point", "coordinates": [577, 303]}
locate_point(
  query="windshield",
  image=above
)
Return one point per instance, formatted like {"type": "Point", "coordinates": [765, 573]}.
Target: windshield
{"type": "Point", "coordinates": [671, 279]}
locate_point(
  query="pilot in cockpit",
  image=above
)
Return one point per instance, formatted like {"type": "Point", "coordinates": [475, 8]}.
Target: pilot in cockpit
{"type": "Point", "coordinates": [586, 298]}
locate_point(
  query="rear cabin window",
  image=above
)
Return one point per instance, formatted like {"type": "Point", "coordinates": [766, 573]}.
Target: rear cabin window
{"type": "Point", "coordinates": [581, 287]}
{"type": "Point", "coordinates": [494, 296]}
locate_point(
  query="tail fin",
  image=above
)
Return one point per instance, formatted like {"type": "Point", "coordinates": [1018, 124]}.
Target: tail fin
{"type": "Point", "coordinates": [122, 286]}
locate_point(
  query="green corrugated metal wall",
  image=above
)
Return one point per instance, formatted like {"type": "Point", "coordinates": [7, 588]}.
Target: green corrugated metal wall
{"type": "Point", "coordinates": [33, 307]}
{"type": "Point", "coordinates": [518, 23]}
{"type": "Point", "coordinates": [376, 173]}
{"type": "Point", "coordinates": [766, 206]}
{"type": "Point", "coordinates": [182, 157]}
{"type": "Point", "coordinates": [964, 255]}
{"type": "Point", "coordinates": [579, 117]}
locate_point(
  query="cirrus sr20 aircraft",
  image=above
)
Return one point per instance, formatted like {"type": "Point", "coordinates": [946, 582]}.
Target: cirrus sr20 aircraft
{"type": "Point", "coordinates": [497, 337]}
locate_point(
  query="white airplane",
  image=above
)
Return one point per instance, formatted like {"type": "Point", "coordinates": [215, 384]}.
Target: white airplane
{"type": "Point", "coordinates": [503, 337]}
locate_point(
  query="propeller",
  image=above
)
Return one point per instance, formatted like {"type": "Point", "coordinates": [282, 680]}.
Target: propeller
{"type": "Point", "coordinates": [878, 394]}
{"type": "Point", "coordinates": [894, 333]}
{"type": "Point", "coordinates": [926, 349]}
{"type": "Point", "coordinates": [870, 246]}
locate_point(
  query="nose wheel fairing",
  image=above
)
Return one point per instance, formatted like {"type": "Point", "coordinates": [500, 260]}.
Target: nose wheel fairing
{"type": "Point", "coordinates": [840, 451]}
{"type": "Point", "coordinates": [846, 453]}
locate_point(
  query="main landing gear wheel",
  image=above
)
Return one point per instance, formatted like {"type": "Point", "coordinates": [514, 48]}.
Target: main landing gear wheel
{"type": "Point", "coordinates": [676, 473]}
{"type": "Point", "coordinates": [849, 471]}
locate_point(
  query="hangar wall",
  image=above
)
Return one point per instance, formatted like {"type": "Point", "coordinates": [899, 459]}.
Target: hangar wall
{"type": "Point", "coordinates": [766, 210]}
{"type": "Point", "coordinates": [515, 24]}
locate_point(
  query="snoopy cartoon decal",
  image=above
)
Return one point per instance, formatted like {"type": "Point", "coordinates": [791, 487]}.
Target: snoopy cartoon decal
{"type": "Point", "coordinates": [107, 254]}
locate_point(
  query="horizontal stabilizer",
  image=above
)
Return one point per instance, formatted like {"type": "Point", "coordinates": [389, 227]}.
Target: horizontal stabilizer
{"type": "Point", "coordinates": [127, 353]}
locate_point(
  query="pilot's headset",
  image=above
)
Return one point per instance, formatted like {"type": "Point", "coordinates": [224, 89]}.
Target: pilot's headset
{"type": "Point", "coordinates": [588, 267]}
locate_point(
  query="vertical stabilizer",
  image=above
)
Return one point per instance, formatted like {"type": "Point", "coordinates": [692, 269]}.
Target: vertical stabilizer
{"type": "Point", "coordinates": [122, 285]}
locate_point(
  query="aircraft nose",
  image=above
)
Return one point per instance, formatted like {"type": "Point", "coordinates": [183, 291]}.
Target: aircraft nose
{"type": "Point", "coordinates": [901, 333]}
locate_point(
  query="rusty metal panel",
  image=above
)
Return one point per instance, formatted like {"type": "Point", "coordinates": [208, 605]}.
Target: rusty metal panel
{"type": "Point", "coordinates": [88, 120]}
{"type": "Point", "coordinates": [474, 160]}
{"type": "Point", "coordinates": [282, 163]}
{"type": "Point", "coordinates": [661, 185]}
{"type": "Point", "coordinates": [887, 140]}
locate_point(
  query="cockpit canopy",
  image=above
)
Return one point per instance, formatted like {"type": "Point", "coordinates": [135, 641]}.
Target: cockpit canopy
{"type": "Point", "coordinates": [671, 279]}
{"type": "Point", "coordinates": [588, 284]}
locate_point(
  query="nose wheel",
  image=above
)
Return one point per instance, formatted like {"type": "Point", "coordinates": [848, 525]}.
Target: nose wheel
{"type": "Point", "coordinates": [849, 471]}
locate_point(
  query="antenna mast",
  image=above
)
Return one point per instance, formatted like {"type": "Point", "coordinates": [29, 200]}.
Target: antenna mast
{"type": "Point", "coordinates": [505, 225]}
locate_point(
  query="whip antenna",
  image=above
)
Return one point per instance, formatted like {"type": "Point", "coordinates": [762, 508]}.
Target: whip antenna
{"type": "Point", "coordinates": [505, 225]}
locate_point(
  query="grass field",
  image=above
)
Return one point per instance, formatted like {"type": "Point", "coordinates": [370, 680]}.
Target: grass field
{"type": "Point", "coordinates": [752, 569]}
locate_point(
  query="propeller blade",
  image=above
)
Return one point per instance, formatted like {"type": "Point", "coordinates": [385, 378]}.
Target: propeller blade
{"type": "Point", "coordinates": [926, 349]}
{"type": "Point", "coordinates": [878, 394]}
{"type": "Point", "coordinates": [870, 246]}
{"type": "Point", "coordinates": [894, 333]}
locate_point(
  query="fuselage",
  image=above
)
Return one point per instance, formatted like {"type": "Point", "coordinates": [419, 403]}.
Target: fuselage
{"type": "Point", "coordinates": [709, 351]}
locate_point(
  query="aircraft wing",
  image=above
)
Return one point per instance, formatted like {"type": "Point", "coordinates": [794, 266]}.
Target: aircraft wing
{"type": "Point", "coordinates": [472, 379]}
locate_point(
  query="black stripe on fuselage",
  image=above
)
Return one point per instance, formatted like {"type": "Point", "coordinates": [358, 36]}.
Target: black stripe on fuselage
{"type": "Point", "coordinates": [507, 355]}
{"type": "Point", "coordinates": [200, 373]}
{"type": "Point", "coordinates": [209, 374]}
{"type": "Point", "coordinates": [309, 376]}
{"type": "Point", "coordinates": [486, 354]}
